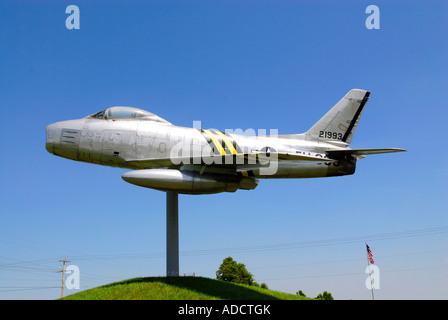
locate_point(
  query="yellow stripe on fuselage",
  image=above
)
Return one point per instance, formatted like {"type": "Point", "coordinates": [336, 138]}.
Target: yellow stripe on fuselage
{"type": "Point", "coordinates": [227, 142]}
{"type": "Point", "coordinates": [216, 142]}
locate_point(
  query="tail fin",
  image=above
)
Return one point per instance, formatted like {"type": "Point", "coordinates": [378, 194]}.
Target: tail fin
{"type": "Point", "coordinates": [339, 124]}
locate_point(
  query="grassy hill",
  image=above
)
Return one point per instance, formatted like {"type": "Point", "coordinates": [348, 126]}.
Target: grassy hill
{"type": "Point", "coordinates": [179, 288]}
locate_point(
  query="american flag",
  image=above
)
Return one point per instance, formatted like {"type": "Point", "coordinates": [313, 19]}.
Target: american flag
{"type": "Point", "coordinates": [369, 254]}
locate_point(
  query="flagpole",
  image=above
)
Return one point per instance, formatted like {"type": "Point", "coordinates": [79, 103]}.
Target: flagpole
{"type": "Point", "coordinates": [370, 274]}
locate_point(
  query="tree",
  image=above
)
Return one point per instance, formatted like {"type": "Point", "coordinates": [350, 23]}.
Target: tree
{"type": "Point", "coordinates": [264, 286]}
{"type": "Point", "coordinates": [300, 293]}
{"type": "Point", "coordinates": [231, 271]}
{"type": "Point", "coordinates": [324, 296]}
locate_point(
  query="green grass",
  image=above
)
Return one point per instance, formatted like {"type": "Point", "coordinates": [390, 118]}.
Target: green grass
{"type": "Point", "coordinates": [179, 288]}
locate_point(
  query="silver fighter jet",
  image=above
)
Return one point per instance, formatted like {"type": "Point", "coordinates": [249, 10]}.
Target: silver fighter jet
{"type": "Point", "coordinates": [166, 157]}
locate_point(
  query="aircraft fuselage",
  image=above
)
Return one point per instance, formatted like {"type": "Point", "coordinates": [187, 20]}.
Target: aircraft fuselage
{"type": "Point", "coordinates": [121, 143]}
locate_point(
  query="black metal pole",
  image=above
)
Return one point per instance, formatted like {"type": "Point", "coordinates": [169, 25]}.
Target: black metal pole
{"type": "Point", "coordinates": [172, 234]}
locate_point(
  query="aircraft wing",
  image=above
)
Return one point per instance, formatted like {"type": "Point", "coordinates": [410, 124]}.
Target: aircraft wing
{"type": "Point", "coordinates": [359, 153]}
{"type": "Point", "coordinates": [227, 161]}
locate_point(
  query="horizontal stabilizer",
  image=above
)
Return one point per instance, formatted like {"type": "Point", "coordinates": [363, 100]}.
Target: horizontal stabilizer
{"type": "Point", "coordinates": [360, 153]}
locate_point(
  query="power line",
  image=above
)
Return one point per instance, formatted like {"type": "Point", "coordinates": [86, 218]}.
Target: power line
{"type": "Point", "coordinates": [358, 273]}
{"type": "Point", "coordinates": [348, 260]}
{"type": "Point", "coordinates": [325, 242]}
{"type": "Point", "coordinates": [9, 289]}
{"type": "Point", "coordinates": [278, 246]}
{"type": "Point", "coordinates": [257, 248]}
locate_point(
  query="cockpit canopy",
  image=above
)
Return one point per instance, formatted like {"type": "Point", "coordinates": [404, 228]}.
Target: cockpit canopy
{"type": "Point", "coordinates": [126, 113]}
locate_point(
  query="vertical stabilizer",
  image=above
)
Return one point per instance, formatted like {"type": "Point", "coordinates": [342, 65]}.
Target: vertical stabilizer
{"type": "Point", "coordinates": [339, 124]}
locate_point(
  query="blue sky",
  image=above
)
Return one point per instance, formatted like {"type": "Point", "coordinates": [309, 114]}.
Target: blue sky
{"type": "Point", "coordinates": [230, 64]}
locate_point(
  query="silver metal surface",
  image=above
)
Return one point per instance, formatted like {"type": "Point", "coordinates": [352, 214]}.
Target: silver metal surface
{"type": "Point", "coordinates": [199, 161]}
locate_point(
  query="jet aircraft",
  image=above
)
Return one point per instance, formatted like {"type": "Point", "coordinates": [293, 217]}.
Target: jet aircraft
{"type": "Point", "coordinates": [166, 157]}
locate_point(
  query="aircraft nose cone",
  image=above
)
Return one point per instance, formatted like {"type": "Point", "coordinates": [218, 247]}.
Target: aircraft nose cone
{"type": "Point", "coordinates": [50, 137]}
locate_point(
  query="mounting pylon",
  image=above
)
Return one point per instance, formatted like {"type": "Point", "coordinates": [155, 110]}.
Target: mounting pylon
{"type": "Point", "coordinates": [172, 234]}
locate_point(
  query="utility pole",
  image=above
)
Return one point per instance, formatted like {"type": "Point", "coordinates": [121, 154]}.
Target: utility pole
{"type": "Point", "coordinates": [63, 274]}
